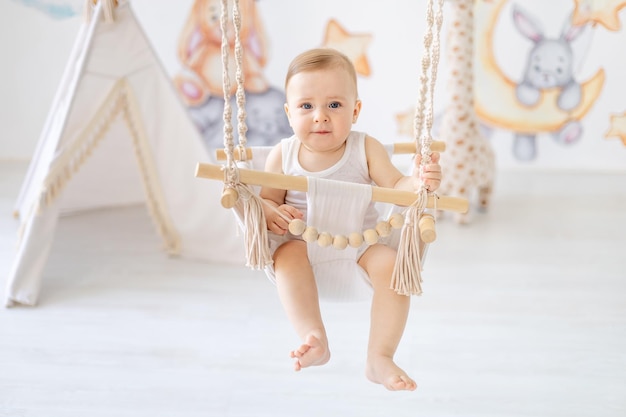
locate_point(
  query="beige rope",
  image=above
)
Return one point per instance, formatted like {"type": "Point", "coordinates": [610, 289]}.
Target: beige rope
{"type": "Point", "coordinates": [249, 205]}
{"type": "Point", "coordinates": [423, 120]}
{"type": "Point", "coordinates": [229, 143]}
{"type": "Point", "coordinates": [108, 7]}
{"type": "Point", "coordinates": [239, 76]}
{"type": "Point", "coordinates": [406, 278]}
{"type": "Point", "coordinates": [434, 53]}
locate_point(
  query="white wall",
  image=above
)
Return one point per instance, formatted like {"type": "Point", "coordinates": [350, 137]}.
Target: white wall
{"type": "Point", "coordinates": [39, 46]}
{"type": "Point", "coordinates": [34, 49]}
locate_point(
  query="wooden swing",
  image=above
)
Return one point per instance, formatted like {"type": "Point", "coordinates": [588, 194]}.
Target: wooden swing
{"type": "Point", "coordinates": [415, 223]}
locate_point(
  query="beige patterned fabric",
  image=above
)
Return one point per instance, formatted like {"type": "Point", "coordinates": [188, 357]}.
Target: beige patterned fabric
{"type": "Point", "coordinates": [468, 163]}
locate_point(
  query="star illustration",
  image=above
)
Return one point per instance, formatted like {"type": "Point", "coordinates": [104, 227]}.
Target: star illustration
{"type": "Point", "coordinates": [405, 122]}
{"type": "Point", "coordinates": [604, 12]}
{"type": "Point", "coordinates": [353, 45]}
{"type": "Point", "coordinates": [618, 127]}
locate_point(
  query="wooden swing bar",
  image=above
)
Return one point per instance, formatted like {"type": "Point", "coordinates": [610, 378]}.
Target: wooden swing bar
{"type": "Point", "coordinates": [295, 183]}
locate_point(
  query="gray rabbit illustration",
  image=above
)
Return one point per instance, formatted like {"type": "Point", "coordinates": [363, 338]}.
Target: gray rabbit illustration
{"type": "Point", "coordinates": [550, 64]}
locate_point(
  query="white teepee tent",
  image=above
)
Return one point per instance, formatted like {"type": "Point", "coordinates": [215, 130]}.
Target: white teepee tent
{"type": "Point", "coordinates": [116, 119]}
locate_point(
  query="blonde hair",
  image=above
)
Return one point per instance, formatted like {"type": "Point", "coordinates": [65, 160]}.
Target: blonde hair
{"type": "Point", "coordinates": [321, 59]}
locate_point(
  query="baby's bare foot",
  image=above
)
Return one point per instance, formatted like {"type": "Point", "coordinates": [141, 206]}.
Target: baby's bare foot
{"type": "Point", "coordinates": [383, 370]}
{"type": "Point", "coordinates": [313, 352]}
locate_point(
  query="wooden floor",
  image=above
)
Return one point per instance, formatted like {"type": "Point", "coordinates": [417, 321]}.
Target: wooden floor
{"type": "Point", "coordinates": [524, 314]}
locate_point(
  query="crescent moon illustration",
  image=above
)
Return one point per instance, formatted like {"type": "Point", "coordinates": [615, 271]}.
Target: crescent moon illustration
{"type": "Point", "coordinates": [496, 102]}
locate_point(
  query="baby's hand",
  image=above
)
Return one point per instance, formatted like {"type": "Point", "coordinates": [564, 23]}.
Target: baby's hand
{"type": "Point", "coordinates": [429, 174]}
{"type": "Point", "coordinates": [277, 218]}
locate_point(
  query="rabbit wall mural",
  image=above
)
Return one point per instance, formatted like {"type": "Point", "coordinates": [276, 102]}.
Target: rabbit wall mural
{"type": "Point", "coordinates": [541, 92]}
{"type": "Point", "coordinates": [386, 52]}
{"type": "Point", "coordinates": [549, 65]}
{"type": "Point", "coordinates": [547, 98]}
{"type": "Point", "coordinates": [200, 82]}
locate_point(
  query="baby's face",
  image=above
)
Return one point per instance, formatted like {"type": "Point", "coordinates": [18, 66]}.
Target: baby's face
{"type": "Point", "coordinates": [322, 105]}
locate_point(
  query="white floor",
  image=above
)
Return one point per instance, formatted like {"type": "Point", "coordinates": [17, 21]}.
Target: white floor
{"type": "Point", "coordinates": [524, 314]}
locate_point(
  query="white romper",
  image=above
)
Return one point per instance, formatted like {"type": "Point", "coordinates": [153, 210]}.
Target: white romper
{"type": "Point", "coordinates": [337, 274]}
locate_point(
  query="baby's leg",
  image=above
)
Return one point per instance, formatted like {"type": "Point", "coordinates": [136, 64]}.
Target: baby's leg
{"type": "Point", "coordinates": [388, 318]}
{"type": "Point", "coordinates": [298, 293]}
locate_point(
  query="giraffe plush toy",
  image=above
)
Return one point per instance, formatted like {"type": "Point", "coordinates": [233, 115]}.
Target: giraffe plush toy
{"type": "Point", "coordinates": [468, 162]}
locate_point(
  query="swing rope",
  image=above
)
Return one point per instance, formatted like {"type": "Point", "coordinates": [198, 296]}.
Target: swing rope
{"type": "Point", "coordinates": [237, 194]}
{"type": "Point", "coordinates": [406, 277]}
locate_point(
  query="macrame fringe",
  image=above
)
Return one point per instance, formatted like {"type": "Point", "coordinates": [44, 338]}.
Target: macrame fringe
{"type": "Point", "coordinates": [72, 157]}
{"type": "Point", "coordinates": [120, 101]}
{"type": "Point", "coordinates": [155, 199]}
{"type": "Point", "coordinates": [87, 6]}
{"type": "Point", "coordinates": [249, 205]}
{"type": "Point", "coordinates": [406, 278]}
{"type": "Point", "coordinates": [108, 9]}
{"type": "Point", "coordinates": [256, 240]}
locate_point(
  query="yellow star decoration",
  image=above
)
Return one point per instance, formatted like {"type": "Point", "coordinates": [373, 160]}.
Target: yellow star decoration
{"type": "Point", "coordinates": [604, 12]}
{"type": "Point", "coordinates": [353, 45]}
{"type": "Point", "coordinates": [405, 122]}
{"type": "Point", "coordinates": [618, 127]}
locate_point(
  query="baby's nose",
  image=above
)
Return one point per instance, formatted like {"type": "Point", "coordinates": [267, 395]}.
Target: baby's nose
{"type": "Point", "coordinates": [321, 116]}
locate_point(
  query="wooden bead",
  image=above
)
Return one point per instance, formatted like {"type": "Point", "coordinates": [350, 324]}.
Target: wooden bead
{"type": "Point", "coordinates": [297, 227]}
{"type": "Point", "coordinates": [310, 234]}
{"type": "Point", "coordinates": [383, 228]}
{"type": "Point", "coordinates": [355, 239]}
{"type": "Point", "coordinates": [427, 228]}
{"type": "Point", "coordinates": [340, 242]}
{"type": "Point", "coordinates": [324, 239]}
{"type": "Point", "coordinates": [371, 236]}
{"type": "Point", "coordinates": [396, 220]}
{"type": "Point", "coordinates": [229, 198]}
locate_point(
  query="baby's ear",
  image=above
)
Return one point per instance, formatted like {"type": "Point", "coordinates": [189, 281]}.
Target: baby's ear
{"type": "Point", "coordinates": [286, 107]}
{"type": "Point", "coordinates": [357, 111]}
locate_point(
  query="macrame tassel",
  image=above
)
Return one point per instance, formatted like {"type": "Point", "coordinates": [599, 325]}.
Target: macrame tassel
{"type": "Point", "coordinates": [87, 5]}
{"type": "Point", "coordinates": [127, 103]}
{"type": "Point", "coordinates": [256, 240]}
{"type": "Point", "coordinates": [109, 6]}
{"type": "Point", "coordinates": [407, 272]}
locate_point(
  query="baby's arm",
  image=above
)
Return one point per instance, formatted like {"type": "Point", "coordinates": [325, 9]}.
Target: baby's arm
{"type": "Point", "coordinates": [275, 198]}
{"type": "Point", "coordinates": [385, 174]}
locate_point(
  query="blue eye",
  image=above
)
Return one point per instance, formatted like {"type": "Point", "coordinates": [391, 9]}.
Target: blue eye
{"type": "Point", "coordinates": [307, 106]}
{"type": "Point", "coordinates": [334, 105]}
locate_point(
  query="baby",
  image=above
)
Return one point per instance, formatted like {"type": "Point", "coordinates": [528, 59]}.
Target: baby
{"type": "Point", "coordinates": [322, 105]}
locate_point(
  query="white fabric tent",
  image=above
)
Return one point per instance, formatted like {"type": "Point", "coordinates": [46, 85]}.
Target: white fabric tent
{"type": "Point", "coordinates": [116, 124]}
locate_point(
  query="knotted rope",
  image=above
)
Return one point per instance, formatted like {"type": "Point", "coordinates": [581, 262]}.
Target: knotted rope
{"type": "Point", "coordinates": [248, 205]}
{"type": "Point", "coordinates": [406, 278]}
